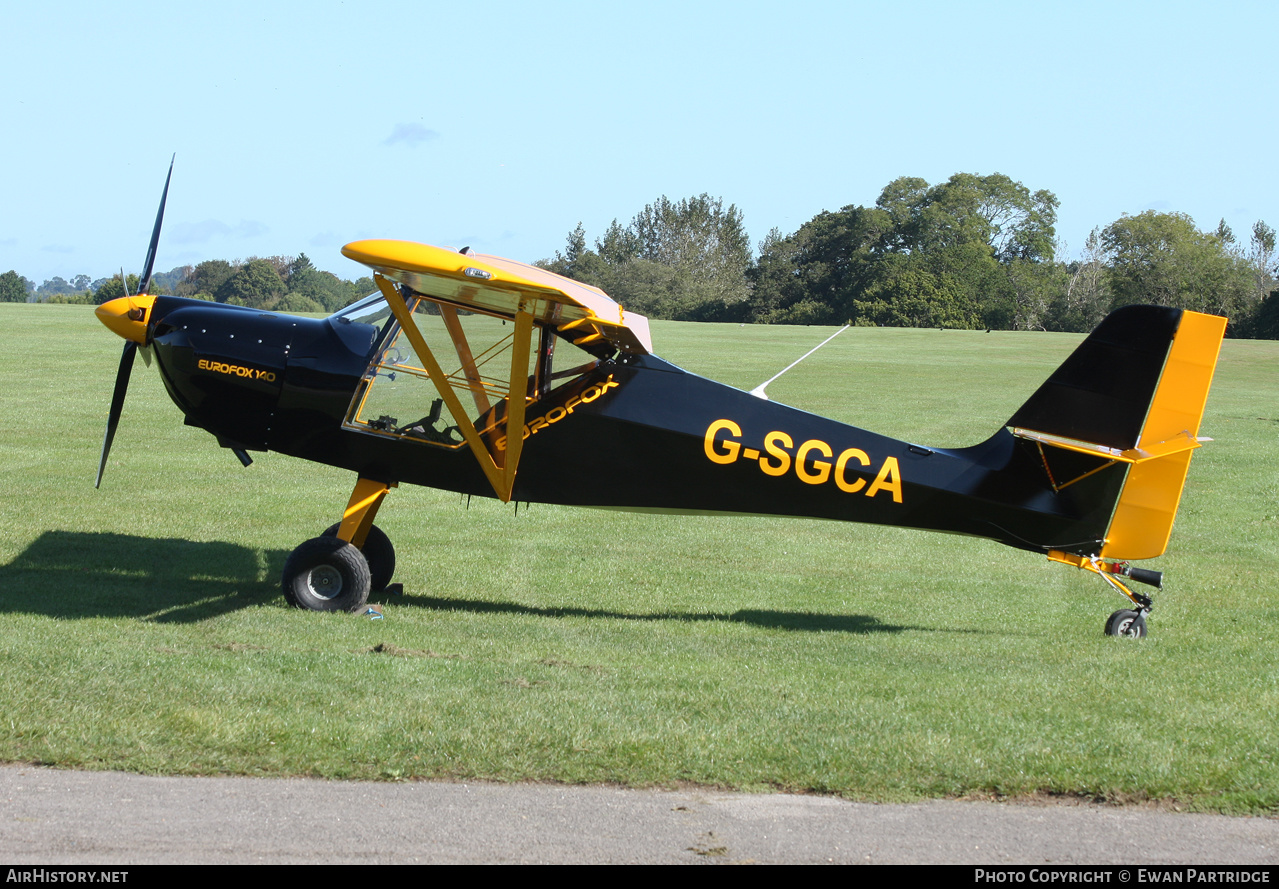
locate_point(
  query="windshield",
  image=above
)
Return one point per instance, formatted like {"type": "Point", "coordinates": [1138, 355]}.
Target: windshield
{"type": "Point", "coordinates": [370, 310]}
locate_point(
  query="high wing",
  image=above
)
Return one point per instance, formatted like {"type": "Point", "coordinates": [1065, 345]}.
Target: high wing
{"type": "Point", "coordinates": [533, 299]}
{"type": "Point", "coordinates": [585, 314]}
{"type": "Point", "coordinates": [467, 368]}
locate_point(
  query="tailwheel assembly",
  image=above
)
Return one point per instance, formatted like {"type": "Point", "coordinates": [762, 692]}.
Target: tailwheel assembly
{"type": "Point", "coordinates": [1127, 622]}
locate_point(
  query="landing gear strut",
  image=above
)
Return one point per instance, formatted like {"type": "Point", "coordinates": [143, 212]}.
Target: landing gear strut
{"type": "Point", "coordinates": [338, 570]}
{"type": "Point", "coordinates": [1127, 622]}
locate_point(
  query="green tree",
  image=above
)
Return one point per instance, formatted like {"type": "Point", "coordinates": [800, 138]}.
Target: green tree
{"type": "Point", "coordinates": [296, 302]}
{"type": "Point", "coordinates": [54, 285]}
{"type": "Point", "coordinates": [206, 279]}
{"type": "Point", "coordinates": [1263, 258]}
{"type": "Point", "coordinates": [323, 289]}
{"type": "Point", "coordinates": [817, 274]}
{"type": "Point", "coordinates": [988, 237]}
{"type": "Point", "coordinates": [994, 210]}
{"type": "Point", "coordinates": [704, 243]}
{"type": "Point", "coordinates": [1261, 321]}
{"type": "Point", "coordinates": [256, 284]}
{"type": "Point", "coordinates": [568, 261]}
{"type": "Point", "coordinates": [1085, 299]}
{"type": "Point", "coordinates": [1162, 259]}
{"type": "Point", "coordinates": [1265, 321]}
{"type": "Point", "coordinates": [13, 288]}
{"type": "Point", "coordinates": [918, 290]}
{"type": "Point", "coordinates": [676, 259]}
{"type": "Point", "coordinates": [774, 276]}
{"type": "Point", "coordinates": [168, 282]}
{"type": "Point", "coordinates": [972, 251]}
{"type": "Point", "coordinates": [114, 288]}
{"type": "Point", "coordinates": [644, 286]}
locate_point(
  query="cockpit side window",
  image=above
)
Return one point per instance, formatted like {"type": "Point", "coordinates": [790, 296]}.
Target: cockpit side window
{"type": "Point", "coordinates": [562, 363]}
{"type": "Point", "coordinates": [398, 398]}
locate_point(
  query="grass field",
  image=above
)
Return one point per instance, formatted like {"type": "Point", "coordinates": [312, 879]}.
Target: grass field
{"type": "Point", "coordinates": [143, 628]}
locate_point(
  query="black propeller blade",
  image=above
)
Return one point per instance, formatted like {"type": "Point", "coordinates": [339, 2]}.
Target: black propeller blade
{"type": "Point", "coordinates": [117, 404]}
{"type": "Point", "coordinates": [130, 346]}
{"type": "Point", "coordinates": [145, 283]}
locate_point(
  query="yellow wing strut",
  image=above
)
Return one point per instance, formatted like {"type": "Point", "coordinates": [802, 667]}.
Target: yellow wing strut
{"type": "Point", "coordinates": [502, 478]}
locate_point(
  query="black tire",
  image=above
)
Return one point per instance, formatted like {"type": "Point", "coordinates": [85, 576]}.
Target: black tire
{"type": "Point", "coordinates": [326, 574]}
{"type": "Point", "coordinates": [378, 552]}
{"type": "Point", "coordinates": [1126, 622]}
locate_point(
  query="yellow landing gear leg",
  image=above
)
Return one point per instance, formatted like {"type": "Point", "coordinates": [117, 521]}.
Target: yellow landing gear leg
{"type": "Point", "coordinates": [357, 529]}
{"type": "Point", "coordinates": [337, 571]}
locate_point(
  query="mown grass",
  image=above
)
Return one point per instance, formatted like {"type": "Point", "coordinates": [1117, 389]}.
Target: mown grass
{"type": "Point", "coordinates": [143, 628]}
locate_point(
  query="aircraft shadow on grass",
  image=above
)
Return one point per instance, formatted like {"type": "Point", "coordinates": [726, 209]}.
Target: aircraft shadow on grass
{"type": "Point", "coordinates": [807, 621]}
{"type": "Point", "coordinates": [68, 575]}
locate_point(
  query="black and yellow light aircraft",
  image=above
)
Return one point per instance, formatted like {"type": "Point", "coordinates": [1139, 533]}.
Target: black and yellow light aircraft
{"type": "Point", "coordinates": [485, 376]}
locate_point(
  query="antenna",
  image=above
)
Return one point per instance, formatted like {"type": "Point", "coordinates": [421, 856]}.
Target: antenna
{"type": "Point", "coordinates": [759, 392]}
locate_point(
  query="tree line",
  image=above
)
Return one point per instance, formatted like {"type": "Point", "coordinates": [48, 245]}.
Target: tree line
{"type": "Point", "coordinates": [274, 283]}
{"type": "Point", "coordinates": [971, 252]}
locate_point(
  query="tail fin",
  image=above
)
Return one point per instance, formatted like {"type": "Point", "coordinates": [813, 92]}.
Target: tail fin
{"type": "Point", "coordinates": [1133, 392]}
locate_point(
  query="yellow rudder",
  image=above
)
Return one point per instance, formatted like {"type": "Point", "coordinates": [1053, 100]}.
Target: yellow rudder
{"type": "Point", "coordinates": [1143, 518]}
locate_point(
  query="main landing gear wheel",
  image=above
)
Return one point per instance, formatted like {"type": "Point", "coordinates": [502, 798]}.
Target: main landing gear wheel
{"type": "Point", "coordinates": [1126, 622]}
{"type": "Point", "coordinates": [326, 574]}
{"type": "Point", "coordinates": [378, 552]}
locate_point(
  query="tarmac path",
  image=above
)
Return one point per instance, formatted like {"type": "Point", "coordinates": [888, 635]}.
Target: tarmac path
{"type": "Point", "coordinates": [49, 817]}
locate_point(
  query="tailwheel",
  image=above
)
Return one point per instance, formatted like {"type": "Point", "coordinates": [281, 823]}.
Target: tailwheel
{"type": "Point", "coordinates": [1126, 622]}
{"type": "Point", "coordinates": [378, 552]}
{"type": "Point", "coordinates": [326, 574]}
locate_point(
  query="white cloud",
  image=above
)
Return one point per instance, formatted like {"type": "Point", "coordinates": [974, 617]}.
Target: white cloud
{"type": "Point", "coordinates": [201, 232]}
{"type": "Point", "coordinates": [411, 134]}
{"type": "Point", "coordinates": [327, 239]}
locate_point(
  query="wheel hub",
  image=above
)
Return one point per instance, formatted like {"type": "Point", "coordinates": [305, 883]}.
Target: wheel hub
{"type": "Point", "coordinates": [325, 581]}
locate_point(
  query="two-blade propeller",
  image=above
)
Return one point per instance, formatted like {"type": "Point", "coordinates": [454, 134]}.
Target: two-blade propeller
{"type": "Point", "coordinates": [121, 318]}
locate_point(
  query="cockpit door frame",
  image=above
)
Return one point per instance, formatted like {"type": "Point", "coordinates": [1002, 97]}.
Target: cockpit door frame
{"type": "Point", "coordinates": [501, 477]}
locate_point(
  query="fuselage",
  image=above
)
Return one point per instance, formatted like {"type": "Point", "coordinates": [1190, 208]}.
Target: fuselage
{"type": "Point", "coordinates": [634, 432]}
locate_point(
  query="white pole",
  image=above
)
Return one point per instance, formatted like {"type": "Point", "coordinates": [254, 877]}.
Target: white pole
{"type": "Point", "coordinates": [759, 392]}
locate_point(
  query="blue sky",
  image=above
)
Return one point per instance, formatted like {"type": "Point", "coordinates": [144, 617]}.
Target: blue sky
{"type": "Point", "coordinates": [301, 126]}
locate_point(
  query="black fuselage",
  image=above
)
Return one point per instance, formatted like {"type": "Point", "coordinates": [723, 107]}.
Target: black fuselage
{"type": "Point", "coordinates": [635, 433]}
